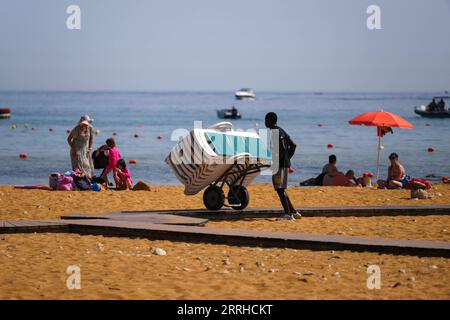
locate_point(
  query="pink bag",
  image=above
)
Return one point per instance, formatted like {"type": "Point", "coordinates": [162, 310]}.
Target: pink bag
{"type": "Point", "coordinates": [65, 183]}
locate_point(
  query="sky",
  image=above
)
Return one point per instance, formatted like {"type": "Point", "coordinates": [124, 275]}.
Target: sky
{"type": "Point", "coordinates": [212, 45]}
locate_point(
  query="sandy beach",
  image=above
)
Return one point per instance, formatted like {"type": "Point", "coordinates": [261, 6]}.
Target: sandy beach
{"type": "Point", "coordinates": [34, 265]}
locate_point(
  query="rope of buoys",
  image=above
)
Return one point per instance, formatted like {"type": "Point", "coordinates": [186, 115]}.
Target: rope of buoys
{"type": "Point", "coordinates": [132, 161]}
{"type": "Point", "coordinates": [430, 149]}
{"type": "Point", "coordinates": [5, 113]}
{"type": "Point", "coordinates": [329, 146]}
{"type": "Point", "coordinates": [23, 156]}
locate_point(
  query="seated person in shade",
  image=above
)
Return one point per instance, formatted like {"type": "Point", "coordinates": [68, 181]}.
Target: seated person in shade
{"type": "Point", "coordinates": [396, 174]}
{"type": "Point", "coordinates": [122, 176]}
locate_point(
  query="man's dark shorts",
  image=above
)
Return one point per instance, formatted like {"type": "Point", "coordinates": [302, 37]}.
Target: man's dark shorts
{"type": "Point", "coordinates": [279, 179]}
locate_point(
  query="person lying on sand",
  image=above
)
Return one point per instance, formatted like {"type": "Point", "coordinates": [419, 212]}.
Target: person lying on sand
{"type": "Point", "coordinates": [340, 179]}
{"type": "Point", "coordinates": [396, 174]}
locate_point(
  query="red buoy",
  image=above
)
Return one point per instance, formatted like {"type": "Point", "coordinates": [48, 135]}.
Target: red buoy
{"type": "Point", "coordinates": [430, 149]}
{"type": "Point", "coordinates": [136, 135]}
{"type": "Point", "coordinates": [23, 156]}
{"type": "Point", "coordinates": [291, 170]}
{"type": "Point", "coordinates": [329, 146]}
{"type": "Point", "coordinates": [132, 161]}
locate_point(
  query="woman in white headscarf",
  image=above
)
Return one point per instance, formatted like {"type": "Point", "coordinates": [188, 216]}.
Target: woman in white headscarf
{"type": "Point", "coordinates": [80, 141]}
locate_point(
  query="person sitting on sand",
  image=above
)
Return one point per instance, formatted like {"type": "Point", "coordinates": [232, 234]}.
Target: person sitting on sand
{"type": "Point", "coordinates": [114, 156]}
{"type": "Point", "coordinates": [122, 176]}
{"type": "Point", "coordinates": [329, 169]}
{"type": "Point", "coordinates": [396, 174]}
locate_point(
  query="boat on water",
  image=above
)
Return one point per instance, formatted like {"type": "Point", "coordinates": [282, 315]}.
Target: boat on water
{"type": "Point", "coordinates": [245, 93]}
{"type": "Point", "coordinates": [434, 109]}
{"type": "Point", "coordinates": [232, 113]}
{"type": "Point", "coordinates": [5, 113]}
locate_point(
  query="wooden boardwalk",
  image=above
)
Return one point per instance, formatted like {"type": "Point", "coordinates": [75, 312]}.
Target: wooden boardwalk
{"type": "Point", "coordinates": [350, 211]}
{"type": "Point", "coordinates": [141, 225]}
{"type": "Point", "coordinates": [26, 226]}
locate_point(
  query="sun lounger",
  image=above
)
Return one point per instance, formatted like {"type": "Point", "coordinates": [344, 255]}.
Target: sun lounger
{"type": "Point", "coordinates": [217, 156]}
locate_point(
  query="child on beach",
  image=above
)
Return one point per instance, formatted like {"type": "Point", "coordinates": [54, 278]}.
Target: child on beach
{"type": "Point", "coordinates": [114, 156]}
{"type": "Point", "coordinates": [122, 176]}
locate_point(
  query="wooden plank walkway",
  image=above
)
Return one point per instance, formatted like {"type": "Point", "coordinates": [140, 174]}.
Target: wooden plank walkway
{"type": "Point", "coordinates": [259, 239]}
{"type": "Point", "coordinates": [151, 217]}
{"type": "Point", "coordinates": [353, 211]}
{"type": "Point", "coordinates": [27, 226]}
{"type": "Point", "coordinates": [182, 225]}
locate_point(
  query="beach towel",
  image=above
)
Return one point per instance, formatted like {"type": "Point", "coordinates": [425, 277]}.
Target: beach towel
{"type": "Point", "coordinates": [32, 187]}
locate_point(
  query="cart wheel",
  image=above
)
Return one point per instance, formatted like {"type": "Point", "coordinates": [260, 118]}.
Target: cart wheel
{"type": "Point", "coordinates": [213, 198]}
{"type": "Point", "coordinates": [241, 193]}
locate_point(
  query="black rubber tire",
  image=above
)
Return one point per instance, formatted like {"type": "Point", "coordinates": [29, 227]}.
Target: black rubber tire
{"type": "Point", "coordinates": [242, 195]}
{"type": "Point", "coordinates": [213, 198]}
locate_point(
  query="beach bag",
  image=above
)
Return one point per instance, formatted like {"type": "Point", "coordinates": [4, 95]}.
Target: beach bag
{"type": "Point", "coordinates": [100, 159]}
{"type": "Point", "coordinates": [65, 183]}
{"type": "Point", "coordinates": [53, 180]}
{"type": "Point", "coordinates": [82, 183]}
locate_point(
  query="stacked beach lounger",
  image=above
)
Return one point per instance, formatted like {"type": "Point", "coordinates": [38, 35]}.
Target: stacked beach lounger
{"type": "Point", "coordinates": [217, 156]}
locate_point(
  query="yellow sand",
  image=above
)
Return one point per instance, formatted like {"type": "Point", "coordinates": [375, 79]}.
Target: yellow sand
{"type": "Point", "coordinates": [34, 265]}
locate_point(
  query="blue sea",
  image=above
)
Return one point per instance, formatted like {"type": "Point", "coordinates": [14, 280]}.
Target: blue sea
{"type": "Point", "coordinates": [152, 114]}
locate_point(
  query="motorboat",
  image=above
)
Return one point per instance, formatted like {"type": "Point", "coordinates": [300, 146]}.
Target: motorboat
{"type": "Point", "coordinates": [5, 113]}
{"type": "Point", "coordinates": [434, 109]}
{"type": "Point", "coordinates": [232, 113]}
{"type": "Point", "coordinates": [244, 93]}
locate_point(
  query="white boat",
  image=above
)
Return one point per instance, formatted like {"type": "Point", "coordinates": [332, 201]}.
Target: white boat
{"type": "Point", "coordinates": [244, 93]}
{"type": "Point", "coordinates": [217, 156]}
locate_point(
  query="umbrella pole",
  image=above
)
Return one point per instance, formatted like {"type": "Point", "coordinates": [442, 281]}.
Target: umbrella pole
{"type": "Point", "coordinates": [378, 156]}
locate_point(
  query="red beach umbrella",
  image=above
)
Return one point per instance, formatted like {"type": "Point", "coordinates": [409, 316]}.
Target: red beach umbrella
{"type": "Point", "coordinates": [384, 121]}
